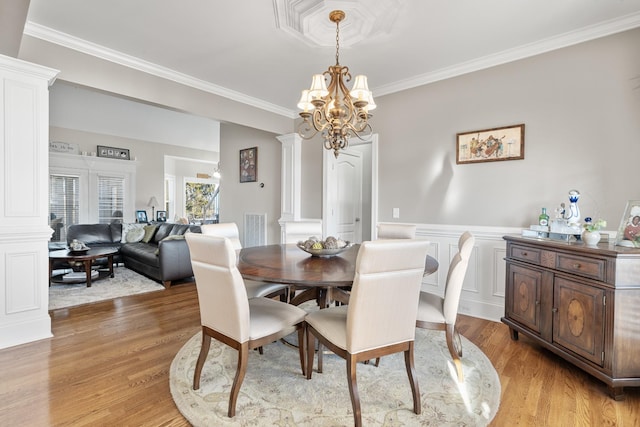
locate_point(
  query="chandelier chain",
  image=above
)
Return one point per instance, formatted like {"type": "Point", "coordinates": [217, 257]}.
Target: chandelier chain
{"type": "Point", "coordinates": [337, 42]}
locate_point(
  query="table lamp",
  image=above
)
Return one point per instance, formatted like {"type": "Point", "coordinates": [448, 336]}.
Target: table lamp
{"type": "Point", "coordinates": [153, 202]}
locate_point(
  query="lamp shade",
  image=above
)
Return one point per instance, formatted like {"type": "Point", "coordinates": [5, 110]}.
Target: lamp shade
{"type": "Point", "coordinates": [153, 202]}
{"type": "Point", "coordinates": [305, 101]}
{"type": "Point", "coordinates": [360, 88]}
{"type": "Point", "coordinates": [318, 87]}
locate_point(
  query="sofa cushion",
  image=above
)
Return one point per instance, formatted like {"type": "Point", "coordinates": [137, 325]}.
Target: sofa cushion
{"type": "Point", "coordinates": [149, 232]}
{"type": "Point", "coordinates": [116, 231]}
{"type": "Point", "coordinates": [179, 229]}
{"type": "Point", "coordinates": [164, 230]}
{"type": "Point", "coordinates": [90, 234]}
{"type": "Point", "coordinates": [142, 252]}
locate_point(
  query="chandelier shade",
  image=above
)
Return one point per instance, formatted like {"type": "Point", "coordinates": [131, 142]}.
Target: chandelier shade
{"type": "Point", "coordinates": [334, 111]}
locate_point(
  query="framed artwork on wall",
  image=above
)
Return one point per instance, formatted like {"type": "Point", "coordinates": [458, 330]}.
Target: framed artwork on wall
{"type": "Point", "coordinates": [629, 229]}
{"type": "Point", "coordinates": [141, 217]}
{"type": "Point", "coordinates": [249, 164]}
{"type": "Point", "coordinates": [113, 153]}
{"type": "Point", "coordinates": [490, 145]}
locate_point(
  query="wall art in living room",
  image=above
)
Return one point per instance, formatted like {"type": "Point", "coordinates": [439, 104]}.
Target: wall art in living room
{"type": "Point", "coordinates": [490, 145]}
{"type": "Point", "coordinates": [113, 153]}
{"type": "Point", "coordinates": [249, 164]}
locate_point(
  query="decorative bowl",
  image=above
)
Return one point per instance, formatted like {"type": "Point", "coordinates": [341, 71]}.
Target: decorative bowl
{"type": "Point", "coordinates": [325, 253]}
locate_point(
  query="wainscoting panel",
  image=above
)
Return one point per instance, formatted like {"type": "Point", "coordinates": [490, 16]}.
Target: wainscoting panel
{"type": "Point", "coordinates": [483, 289]}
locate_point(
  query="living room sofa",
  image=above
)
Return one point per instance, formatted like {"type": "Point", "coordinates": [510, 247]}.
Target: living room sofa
{"type": "Point", "coordinates": [160, 252]}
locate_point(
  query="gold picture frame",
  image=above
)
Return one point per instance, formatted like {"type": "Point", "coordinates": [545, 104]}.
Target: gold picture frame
{"type": "Point", "coordinates": [490, 145]}
{"type": "Point", "coordinates": [629, 229]}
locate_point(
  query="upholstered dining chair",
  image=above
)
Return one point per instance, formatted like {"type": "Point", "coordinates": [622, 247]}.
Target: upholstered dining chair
{"type": "Point", "coordinates": [396, 231]}
{"type": "Point", "coordinates": [381, 316]}
{"type": "Point", "coordinates": [294, 231]}
{"type": "Point", "coordinates": [440, 313]}
{"type": "Point", "coordinates": [254, 289]}
{"type": "Point", "coordinates": [227, 315]}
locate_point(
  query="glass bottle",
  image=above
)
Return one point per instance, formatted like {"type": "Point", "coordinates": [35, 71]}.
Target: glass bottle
{"type": "Point", "coordinates": [543, 219]}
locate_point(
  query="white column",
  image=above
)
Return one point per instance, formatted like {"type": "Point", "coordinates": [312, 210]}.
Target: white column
{"type": "Point", "coordinates": [291, 181]}
{"type": "Point", "coordinates": [24, 185]}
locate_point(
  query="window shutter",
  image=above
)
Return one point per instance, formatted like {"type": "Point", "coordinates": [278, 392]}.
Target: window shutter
{"type": "Point", "coordinates": [64, 204]}
{"type": "Point", "coordinates": [110, 198]}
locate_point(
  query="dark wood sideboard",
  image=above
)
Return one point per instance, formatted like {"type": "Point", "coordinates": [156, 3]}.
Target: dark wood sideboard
{"type": "Point", "coordinates": [581, 302]}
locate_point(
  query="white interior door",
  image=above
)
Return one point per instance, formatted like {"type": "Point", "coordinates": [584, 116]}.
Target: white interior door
{"type": "Point", "coordinates": [345, 204]}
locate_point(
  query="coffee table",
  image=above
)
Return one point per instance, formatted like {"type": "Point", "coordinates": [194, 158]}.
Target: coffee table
{"type": "Point", "coordinates": [86, 258]}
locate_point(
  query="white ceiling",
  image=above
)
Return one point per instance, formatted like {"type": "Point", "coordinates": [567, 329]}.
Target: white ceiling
{"type": "Point", "coordinates": [245, 50]}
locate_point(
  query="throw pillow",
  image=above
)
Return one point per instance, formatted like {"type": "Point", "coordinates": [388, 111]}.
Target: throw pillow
{"type": "Point", "coordinates": [174, 237]}
{"type": "Point", "coordinates": [128, 227]}
{"type": "Point", "coordinates": [136, 234]}
{"type": "Point", "coordinates": [149, 231]}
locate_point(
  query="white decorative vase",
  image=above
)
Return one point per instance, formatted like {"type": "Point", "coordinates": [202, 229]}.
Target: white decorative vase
{"type": "Point", "coordinates": [590, 238]}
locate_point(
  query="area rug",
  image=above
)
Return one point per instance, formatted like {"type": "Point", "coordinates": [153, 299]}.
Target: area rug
{"type": "Point", "coordinates": [275, 392]}
{"type": "Point", "coordinates": [125, 282]}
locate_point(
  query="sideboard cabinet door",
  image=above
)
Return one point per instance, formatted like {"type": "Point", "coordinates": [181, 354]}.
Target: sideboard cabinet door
{"type": "Point", "coordinates": [526, 289]}
{"type": "Point", "coordinates": [579, 319]}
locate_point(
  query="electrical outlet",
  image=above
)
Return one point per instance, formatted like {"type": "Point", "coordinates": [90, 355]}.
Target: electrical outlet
{"type": "Point", "coordinates": [396, 213]}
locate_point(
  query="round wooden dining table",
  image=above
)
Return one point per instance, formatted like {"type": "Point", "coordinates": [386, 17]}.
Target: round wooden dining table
{"type": "Point", "coordinates": [325, 279]}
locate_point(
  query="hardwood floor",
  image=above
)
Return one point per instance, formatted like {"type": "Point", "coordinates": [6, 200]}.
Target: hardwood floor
{"type": "Point", "coordinates": [108, 364]}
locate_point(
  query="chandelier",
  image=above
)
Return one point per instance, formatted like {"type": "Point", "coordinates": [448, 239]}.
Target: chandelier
{"type": "Point", "coordinates": [334, 111]}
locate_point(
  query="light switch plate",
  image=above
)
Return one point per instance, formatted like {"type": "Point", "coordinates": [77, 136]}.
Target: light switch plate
{"type": "Point", "coordinates": [396, 213]}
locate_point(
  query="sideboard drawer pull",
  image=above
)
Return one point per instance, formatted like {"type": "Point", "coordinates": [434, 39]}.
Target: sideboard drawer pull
{"type": "Point", "coordinates": [577, 265]}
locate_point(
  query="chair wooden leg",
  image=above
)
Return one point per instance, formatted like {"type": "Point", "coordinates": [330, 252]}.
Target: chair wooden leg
{"type": "Point", "coordinates": [311, 349]}
{"type": "Point", "coordinates": [243, 358]}
{"type": "Point", "coordinates": [301, 348]}
{"type": "Point", "coordinates": [320, 353]}
{"type": "Point", "coordinates": [413, 381]}
{"type": "Point", "coordinates": [353, 390]}
{"type": "Point", "coordinates": [455, 349]}
{"type": "Point", "coordinates": [204, 350]}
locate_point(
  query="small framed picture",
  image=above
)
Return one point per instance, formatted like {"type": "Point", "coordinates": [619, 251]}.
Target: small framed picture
{"type": "Point", "coordinates": [249, 164]}
{"type": "Point", "coordinates": [161, 216]}
{"type": "Point", "coordinates": [113, 153]}
{"type": "Point", "coordinates": [629, 230]}
{"type": "Point", "coordinates": [141, 217]}
{"type": "Point", "coordinates": [490, 145]}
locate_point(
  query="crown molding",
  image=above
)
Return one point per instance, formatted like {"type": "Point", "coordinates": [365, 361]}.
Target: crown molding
{"type": "Point", "coordinates": [593, 32]}
{"type": "Point", "coordinates": [56, 37]}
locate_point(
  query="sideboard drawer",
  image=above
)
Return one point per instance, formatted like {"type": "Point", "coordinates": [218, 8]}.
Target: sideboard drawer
{"type": "Point", "coordinates": [525, 253]}
{"type": "Point", "coordinates": [586, 267]}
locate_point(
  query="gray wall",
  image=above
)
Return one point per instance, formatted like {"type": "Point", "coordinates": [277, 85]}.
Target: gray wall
{"type": "Point", "coordinates": [580, 105]}
{"type": "Point", "coordinates": [238, 198]}
{"type": "Point", "coordinates": [581, 110]}
{"type": "Point", "coordinates": [149, 156]}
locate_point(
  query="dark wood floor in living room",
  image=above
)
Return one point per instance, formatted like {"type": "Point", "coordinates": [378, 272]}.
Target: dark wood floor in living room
{"type": "Point", "coordinates": [108, 364]}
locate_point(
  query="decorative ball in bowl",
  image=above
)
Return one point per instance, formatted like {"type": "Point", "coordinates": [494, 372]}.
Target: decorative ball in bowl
{"type": "Point", "coordinates": [76, 247]}
{"type": "Point", "coordinates": [329, 247]}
